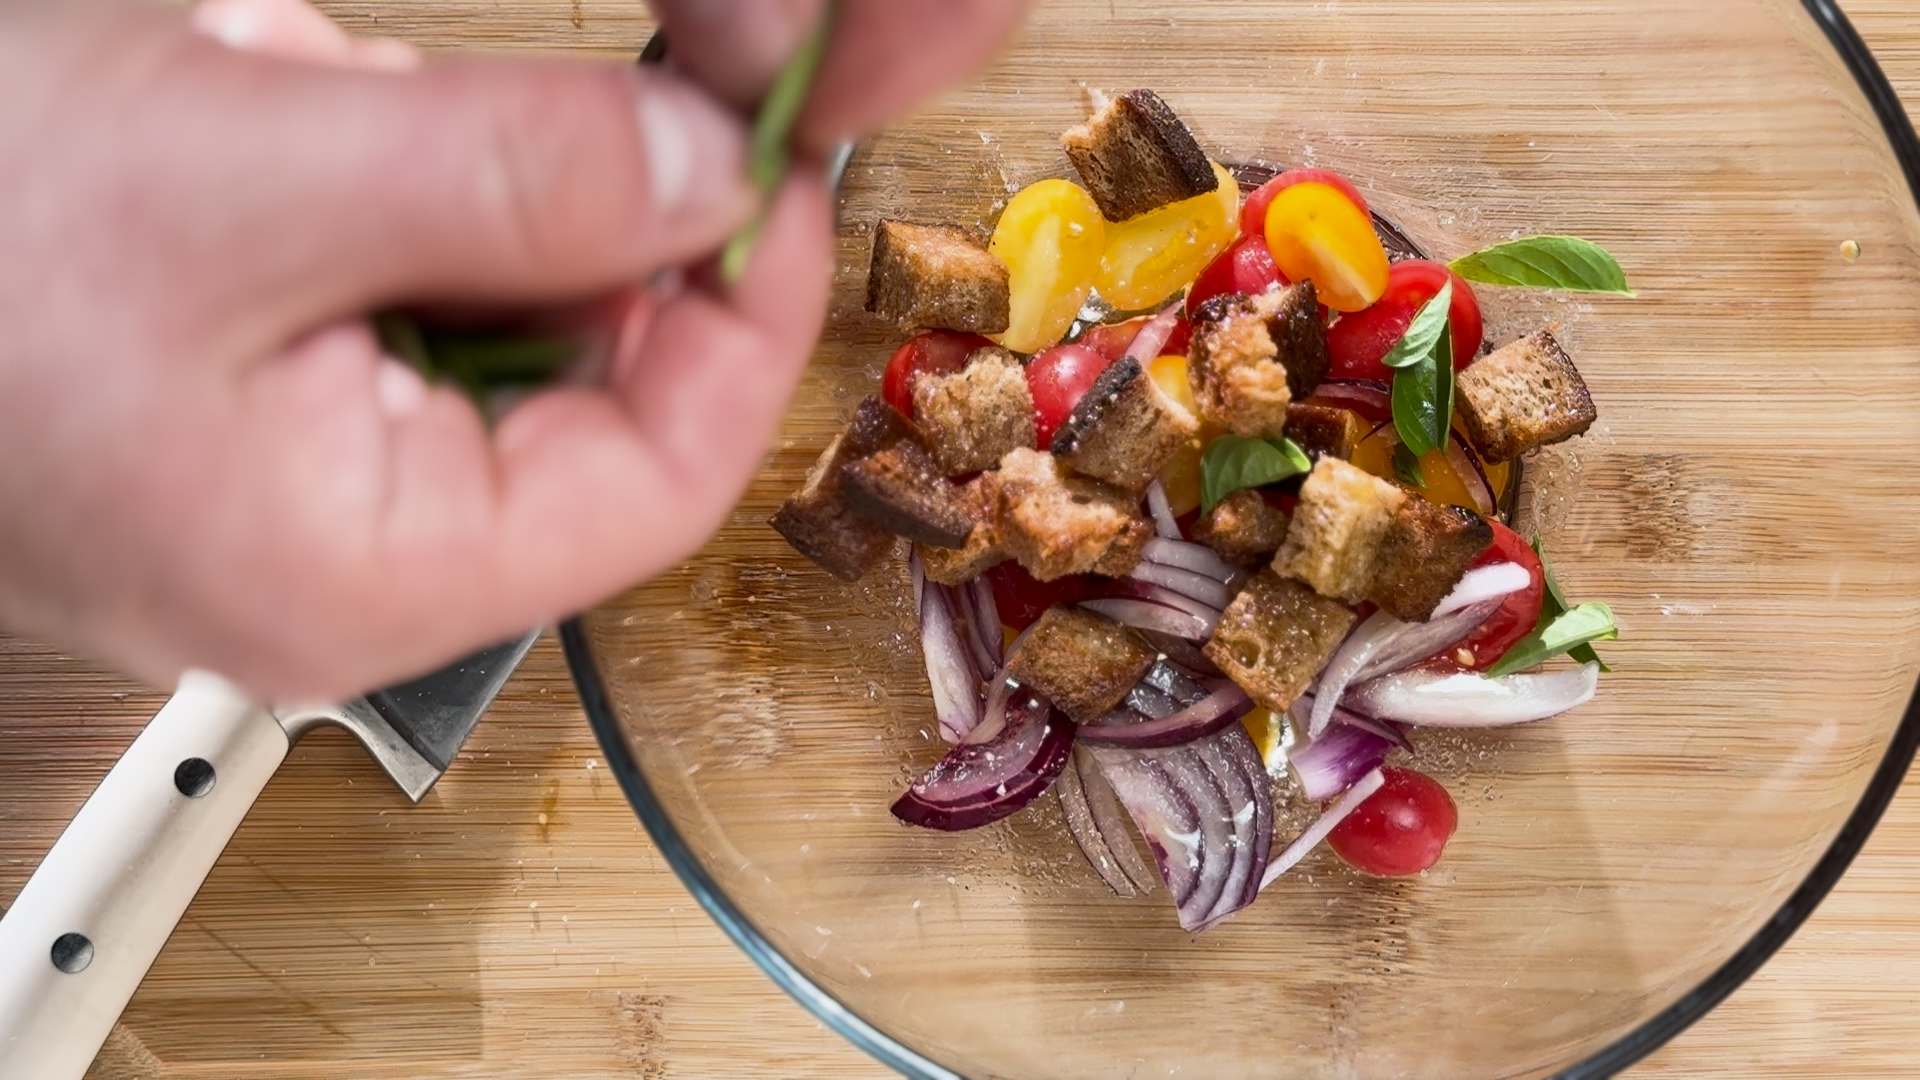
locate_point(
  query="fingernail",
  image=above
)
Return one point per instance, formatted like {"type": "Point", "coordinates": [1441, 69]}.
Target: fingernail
{"type": "Point", "coordinates": [696, 151]}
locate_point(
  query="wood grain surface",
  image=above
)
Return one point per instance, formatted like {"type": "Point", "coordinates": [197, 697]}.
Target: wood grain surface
{"type": "Point", "coordinates": [519, 923]}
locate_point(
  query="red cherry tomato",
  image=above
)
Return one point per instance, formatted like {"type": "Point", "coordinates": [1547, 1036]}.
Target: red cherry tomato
{"type": "Point", "coordinates": [1356, 343]}
{"type": "Point", "coordinates": [1253, 210]}
{"type": "Point", "coordinates": [1112, 340]}
{"type": "Point", "coordinates": [1022, 599]}
{"type": "Point", "coordinates": [1401, 829]}
{"type": "Point", "coordinates": [1516, 616]}
{"type": "Point", "coordinates": [1245, 267]}
{"type": "Point", "coordinates": [1058, 378]}
{"type": "Point", "coordinates": [939, 351]}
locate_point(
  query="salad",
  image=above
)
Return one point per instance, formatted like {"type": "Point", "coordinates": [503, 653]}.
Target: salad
{"type": "Point", "coordinates": [1203, 492]}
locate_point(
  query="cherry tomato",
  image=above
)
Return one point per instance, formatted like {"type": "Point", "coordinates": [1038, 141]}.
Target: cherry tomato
{"type": "Point", "coordinates": [1058, 378]}
{"type": "Point", "coordinates": [938, 351]}
{"type": "Point", "coordinates": [1356, 343]}
{"type": "Point", "coordinates": [1253, 212]}
{"type": "Point", "coordinates": [1401, 829]}
{"type": "Point", "coordinates": [1317, 233]}
{"type": "Point", "coordinates": [1245, 267]}
{"type": "Point", "coordinates": [1021, 599]}
{"type": "Point", "coordinates": [1516, 616]}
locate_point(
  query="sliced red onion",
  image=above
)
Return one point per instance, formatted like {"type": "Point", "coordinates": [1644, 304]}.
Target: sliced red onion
{"type": "Point", "coordinates": [1183, 652]}
{"type": "Point", "coordinates": [1147, 615]}
{"type": "Point", "coordinates": [1370, 399]}
{"type": "Point", "coordinates": [1360, 792]}
{"type": "Point", "coordinates": [1188, 555]}
{"type": "Point", "coordinates": [1163, 809]}
{"type": "Point", "coordinates": [1135, 589]}
{"type": "Point", "coordinates": [1210, 591]}
{"type": "Point", "coordinates": [1463, 699]}
{"type": "Point", "coordinates": [950, 662]}
{"type": "Point", "coordinates": [1390, 730]}
{"type": "Point", "coordinates": [1241, 797]}
{"type": "Point", "coordinates": [1110, 820]}
{"type": "Point", "coordinates": [980, 783]}
{"type": "Point", "coordinates": [1494, 581]}
{"type": "Point", "coordinates": [1197, 721]}
{"type": "Point", "coordinates": [1246, 757]}
{"type": "Point", "coordinates": [1332, 763]}
{"type": "Point", "coordinates": [1153, 334]}
{"type": "Point", "coordinates": [1176, 683]}
{"type": "Point", "coordinates": [1418, 641]}
{"type": "Point", "coordinates": [1467, 467]}
{"type": "Point", "coordinates": [1086, 834]}
{"type": "Point", "coordinates": [993, 715]}
{"type": "Point", "coordinates": [1165, 526]}
{"type": "Point", "coordinates": [983, 623]}
{"type": "Point", "coordinates": [1352, 655]}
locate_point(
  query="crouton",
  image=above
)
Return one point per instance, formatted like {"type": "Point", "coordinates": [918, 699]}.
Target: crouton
{"type": "Point", "coordinates": [1124, 428]}
{"type": "Point", "coordinates": [982, 551]}
{"type": "Point", "coordinates": [1241, 379]}
{"type": "Point", "coordinates": [973, 417]}
{"type": "Point", "coordinates": [1276, 636]}
{"type": "Point", "coordinates": [1523, 395]}
{"type": "Point", "coordinates": [1333, 541]}
{"type": "Point", "coordinates": [1423, 554]}
{"type": "Point", "coordinates": [1056, 525]}
{"type": "Point", "coordinates": [902, 490]}
{"type": "Point", "coordinates": [819, 524]}
{"type": "Point", "coordinates": [936, 276]}
{"type": "Point", "coordinates": [1243, 529]}
{"type": "Point", "coordinates": [875, 426]}
{"type": "Point", "coordinates": [1325, 430]}
{"type": "Point", "coordinates": [1084, 663]}
{"type": "Point", "coordinates": [1135, 155]}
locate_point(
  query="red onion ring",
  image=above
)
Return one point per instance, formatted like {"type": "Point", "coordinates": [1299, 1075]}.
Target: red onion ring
{"type": "Point", "coordinates": [1147, 615]}
{"type": "Point", "coordinates": [1187, 555]}
{"type": "Point", "coordinates": [1209, 591]}
{"type": "Point", "coordinates": [1463, 699]}
{"type": "Point", "coordinates": [1210, 714]}
{"type": "Point", "coordinates": [980, 783]}
{"type": "Point", "coordinates": [1165, 526]}
{"type": "Point", "coordinates": [1360, 792]}
{"type": "Point", "coordinates": [951, 671]}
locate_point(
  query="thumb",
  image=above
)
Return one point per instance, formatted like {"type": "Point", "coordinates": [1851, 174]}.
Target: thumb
{"type": "Point", "coordinates": [492, 181]}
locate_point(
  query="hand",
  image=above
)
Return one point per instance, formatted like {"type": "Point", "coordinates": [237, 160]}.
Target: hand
{"type": "Point", "coordinates": [204, 458]}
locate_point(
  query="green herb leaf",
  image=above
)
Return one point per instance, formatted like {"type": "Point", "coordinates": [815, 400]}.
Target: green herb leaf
{"type": "Point", "coordinates": [1423, 397]}
{"type": "Point", "coordinates": [1546, 262]}
{"type": "Point", "coordinates": [768, 146]}
{"type": "Point", "coordinates": [1423, 332]}
{"type": "Point", "coordinates": [1407, 467]}
{"type": "Point", "coordinates": [1233, 462]}
{"type": "Point", "coordinates": [1566, 632]}
{"type": "Point", "coordinates": [1554, 604]}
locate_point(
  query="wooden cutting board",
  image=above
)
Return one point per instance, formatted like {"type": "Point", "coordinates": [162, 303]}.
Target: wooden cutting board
{"type": "Point", "coordinates": [519, 923]}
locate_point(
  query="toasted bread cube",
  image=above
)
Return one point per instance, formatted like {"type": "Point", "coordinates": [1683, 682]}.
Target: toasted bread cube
{"type": "Point", "coordinates": [1325, 430]}
{"type": "Point", "coordinates": [1124, 428]}
{"type": "Point", "coordinates": [1242, 379]}
{"type": "Point", "coordinates": [1084, 663]}
{"type": "Point", "coordinates": [1423, 554]}
{"type": "Point", "coordinates": [1523, 395]}
{"type": "Point", "coordinates": [1276, 636]}
{"type": "Point", "coordinates": [982, 551]}
{"type": "Point", "coordinates": [875, 426]}
{"type": "Point", "coordinates": [1333, 542]}
{"type": "Point", "coordinates": [1243, 529]}
{"type": "Point", "coordinates": [902, 490]}
{"type": "Point", "coordinates": [973, 417]}
{"type": "Point", "coordinates": [1055, 524]}
{"type": "Point", "coordinates": [936, 276]}
{"type": "Point", "coordinates": [819, 524]}
{"type": "Point", "coordinates": [1135, 155]}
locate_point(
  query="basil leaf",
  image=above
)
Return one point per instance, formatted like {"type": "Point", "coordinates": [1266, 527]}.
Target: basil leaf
{"type": "Point", "coordinates": [1554, 604]}
{"type": "Point", "coordinates": [1570, 630]}
{"type": "Point", "coordinates": [1423, 397]}
{"type": "Point", "coordinates": [1407, 467]}
{"type": "Point", "coordinates": [1423, 331]}
{"type": "Point", "coordinates": [1233, 462]}
{"type": "Point", "coordinates": [1545, 262]}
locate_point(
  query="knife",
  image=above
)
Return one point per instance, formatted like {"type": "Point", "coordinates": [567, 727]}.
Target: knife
{"type": "Point", "coordinates": [89, 923]}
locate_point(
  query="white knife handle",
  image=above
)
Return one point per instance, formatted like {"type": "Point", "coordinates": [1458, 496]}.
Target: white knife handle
{"type": "Point", "coordinates": [120, 877]}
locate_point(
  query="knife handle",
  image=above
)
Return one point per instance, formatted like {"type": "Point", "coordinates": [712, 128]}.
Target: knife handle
{"type": "Point", "coordinates": [89, 923]}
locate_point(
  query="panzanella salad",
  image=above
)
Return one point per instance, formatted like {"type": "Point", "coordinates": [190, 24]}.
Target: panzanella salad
{"type": "Point", "coordinates": [1252, 531]}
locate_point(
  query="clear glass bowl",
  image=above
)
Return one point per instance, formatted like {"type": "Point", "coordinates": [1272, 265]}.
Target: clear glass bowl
{"type": "Point", "coordinates": [1746, 503]}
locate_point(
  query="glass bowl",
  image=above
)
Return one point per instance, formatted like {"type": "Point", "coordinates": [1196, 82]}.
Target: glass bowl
{"type": "Point", "coordinates": [1746, 503]}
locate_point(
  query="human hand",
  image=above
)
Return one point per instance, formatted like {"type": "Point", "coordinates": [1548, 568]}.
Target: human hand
{"type": "Point", "coordinates": [204, 458]}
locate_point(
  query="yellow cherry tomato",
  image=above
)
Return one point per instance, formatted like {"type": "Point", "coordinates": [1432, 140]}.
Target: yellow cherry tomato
{"type": "Point", "coordinates": [1317, 234]}
{"type": "Point", "coordinates": [1269, 738]}
{"type": "Point", "coordinates": [1180, 476]}
{"type": "Point", "coordinates": [1151, 257]}
{"type": "Point", "coordinates": [1050, 236]}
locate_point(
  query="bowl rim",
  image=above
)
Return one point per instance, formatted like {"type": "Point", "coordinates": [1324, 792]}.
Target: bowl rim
{"type": "Point", "coordinates": [1624, 1051]}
